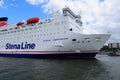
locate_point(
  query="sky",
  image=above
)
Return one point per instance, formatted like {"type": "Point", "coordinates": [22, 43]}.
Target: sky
{"type": "Point", "coordinates": [98, 16]}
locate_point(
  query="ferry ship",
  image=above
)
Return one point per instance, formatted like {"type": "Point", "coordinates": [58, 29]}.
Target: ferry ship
{"type": "Point", "coordinates": [57, 37]}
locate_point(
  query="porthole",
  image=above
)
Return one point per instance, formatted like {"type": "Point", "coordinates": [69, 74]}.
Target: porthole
{"type": "Point", "coordinates": [70, 29]}
{"type": "Point", "coordinates": [74, 40]}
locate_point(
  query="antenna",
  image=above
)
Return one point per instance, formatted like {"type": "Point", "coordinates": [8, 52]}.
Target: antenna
{"type": "Point", "coordinates": [52, 10]}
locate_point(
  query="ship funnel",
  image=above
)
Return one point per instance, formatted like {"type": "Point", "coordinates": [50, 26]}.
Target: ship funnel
{"type": "Point", "coordinates": [3, 21]}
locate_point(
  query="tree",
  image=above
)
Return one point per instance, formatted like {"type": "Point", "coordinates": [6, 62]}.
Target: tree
{"type": "Point", "coordinates": [105, 48]}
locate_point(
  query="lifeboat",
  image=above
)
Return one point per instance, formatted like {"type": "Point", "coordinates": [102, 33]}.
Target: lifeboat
{"type": "Point", "coordinates": [33, 20]}
{"type": "Point", "coordinates": [20, 23]}
{"type": "Point", "coordinates": [3, 23]}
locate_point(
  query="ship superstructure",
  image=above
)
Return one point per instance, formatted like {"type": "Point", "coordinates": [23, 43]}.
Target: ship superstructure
{"type": "Point", "coordinates": [60, 36]}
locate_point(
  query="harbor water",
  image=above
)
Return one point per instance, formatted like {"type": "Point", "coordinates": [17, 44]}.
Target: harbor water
{"type": "Point", "coordinates": [102, 68]}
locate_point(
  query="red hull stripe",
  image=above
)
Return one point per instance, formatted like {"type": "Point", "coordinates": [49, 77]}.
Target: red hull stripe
{"type": "Point", "coordinates": [46, 51]}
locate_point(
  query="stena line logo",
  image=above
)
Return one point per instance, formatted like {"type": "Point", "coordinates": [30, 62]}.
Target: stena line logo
{"type": "Point", "coordinates": [23, 45]}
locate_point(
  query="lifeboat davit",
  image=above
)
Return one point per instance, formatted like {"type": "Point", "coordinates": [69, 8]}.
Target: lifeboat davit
{"type": "Point", "coordinates": [3, 23]}
{"type": "Point", "coordinates": [20, 23]}
{"type": "Point", "coordinates": [33, 20]}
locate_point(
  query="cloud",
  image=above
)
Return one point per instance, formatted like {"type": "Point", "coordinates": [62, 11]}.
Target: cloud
{"type": "Point", "coordinates": [1, 3]}
{"type": "Point", "coordinates": [36, 2]}
{"type": "Point", "coordinates": [98, 16]}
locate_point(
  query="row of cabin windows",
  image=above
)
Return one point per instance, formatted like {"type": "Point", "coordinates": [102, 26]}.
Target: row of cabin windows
{"type": "Point", "coordinates": [26, 29]}
{"type": "Point", "coordinates": [29, 36]}
{"type": "Point", "coordinates": [28, 33]}
{"type": "Point", "coordinates": [31, 26]}
{"type": "Point", "coordinates": [36, 36]}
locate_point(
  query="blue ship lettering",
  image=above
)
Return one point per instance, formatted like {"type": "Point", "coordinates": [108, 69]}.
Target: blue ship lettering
{"type": "Point", "coordinates": [23, 45]}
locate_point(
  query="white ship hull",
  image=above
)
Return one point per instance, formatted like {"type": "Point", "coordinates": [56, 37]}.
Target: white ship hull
{"type": "Point", "coordinates": [63, 49]}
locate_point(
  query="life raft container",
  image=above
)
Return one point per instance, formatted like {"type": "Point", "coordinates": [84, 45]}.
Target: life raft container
{"type": "Point", "coordinates": [33, 20]}
{"type": "Point", "coordinates": [20, 23]}
{"type": "Point", "coordinates": [3, 23]}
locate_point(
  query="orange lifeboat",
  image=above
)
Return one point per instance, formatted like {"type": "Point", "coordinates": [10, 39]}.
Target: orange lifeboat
{"type": "Point", "coordinates": [33, 20]}
{"type": "Point", "coordinates": [3, 23]}
{"type": "Point", "coordinates": [20, 23]}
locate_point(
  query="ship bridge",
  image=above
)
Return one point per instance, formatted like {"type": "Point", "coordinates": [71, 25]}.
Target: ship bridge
{"type": "Point", "coordinates": [68, 12]}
